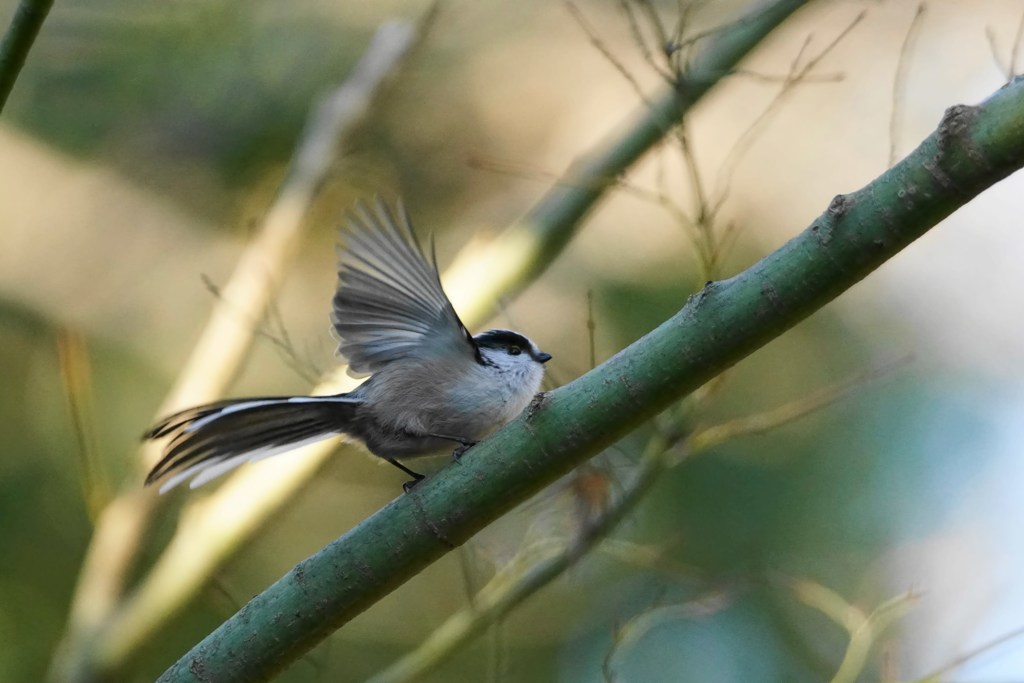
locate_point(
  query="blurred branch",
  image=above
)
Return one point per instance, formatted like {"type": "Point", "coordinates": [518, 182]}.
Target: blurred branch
{"type": "Point", "coordinates": [534, 567]}
{"type": "Point", "coordinates": [480, 276]}
{"type": "Point", "coordinates": [630, 633]}
{"type": "Point", "coordinates": [973, 148]}
{"type": "Point", "coordinates": [28, 19]}
{"type": "Point", "coordinates": [92, 643]}
{"type": "Point", "coordinates": [865, 630]}
{"type": "Point", "coordinates": [766, 421]}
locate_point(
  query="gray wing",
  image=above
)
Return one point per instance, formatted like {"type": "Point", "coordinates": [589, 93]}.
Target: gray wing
{"type": "Point", "coordinates": [390, 304]}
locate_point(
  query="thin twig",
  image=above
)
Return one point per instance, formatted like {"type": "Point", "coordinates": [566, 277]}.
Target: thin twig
{"type": "Point", "coordinates": [1015, 49]}
{"type": "Point", "coordinates": [899, 82]}
{"type": "Point", "coordinates": [605, 51]}
{"type": "Point", "coordinates": [641, 43]}
{"type": "Point", "coordinates": [705, 218]}
{"type": "Point", "coordinates": [797, 75]}
{"type": "Point", "coordinates": [769, 420]}
{"type": "Point", "coordinates": [273, 330]}
{"type": "Point", "coordinates": [833, 77]}
{"type": "Point", "coordinates": [1005, 70]}
{"type": "Point", "coordinates": [657, 27]}
{"type": "Point", "coordinates": [682, 48]}
{"type": "Point", "coordinates": [940, 673]}
{"type": "Point", "coordinates": [591, 329]}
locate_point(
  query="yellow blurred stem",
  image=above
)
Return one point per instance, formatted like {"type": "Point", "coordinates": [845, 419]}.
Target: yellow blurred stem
{"type": "Point", "coordinates": [761, 423]}
{"type": "Point", "coordinates": [636, 628]}
{"type": "Point", "coordinates": [865, 629]}
{"type": "Point", "coordinates": [76, 376]}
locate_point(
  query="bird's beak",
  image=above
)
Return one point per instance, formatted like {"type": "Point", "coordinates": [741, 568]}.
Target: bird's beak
{"type": "Point", "coordinates": [543, 357]}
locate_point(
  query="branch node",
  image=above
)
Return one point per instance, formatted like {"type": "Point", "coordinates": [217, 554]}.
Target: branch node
{"type": "Point", "coordinates": [955, 122]}
{"type": "Point", "coordinates": [838, 206]}
{"type": "Point", "coordinates": [536, 404]}
{"type": "Point", "coordinates": [197, 669]}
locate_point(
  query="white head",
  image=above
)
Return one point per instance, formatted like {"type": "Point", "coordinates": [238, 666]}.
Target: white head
{"type": "Point", "coordinates": [514, 356]}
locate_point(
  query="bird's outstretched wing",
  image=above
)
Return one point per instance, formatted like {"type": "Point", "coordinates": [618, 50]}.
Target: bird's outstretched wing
{"type": "Point", "coordinates": [390, 304]}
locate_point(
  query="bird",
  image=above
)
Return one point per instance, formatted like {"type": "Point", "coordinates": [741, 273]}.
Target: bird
{"type": "Point", "coordinates": [432, 385]}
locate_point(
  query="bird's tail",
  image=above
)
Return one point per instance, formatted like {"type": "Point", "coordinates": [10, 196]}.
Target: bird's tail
{"type": "Point", "coordinates": [210, 440]}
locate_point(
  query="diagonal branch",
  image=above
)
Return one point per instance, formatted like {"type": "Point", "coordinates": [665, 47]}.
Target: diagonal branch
{"type": "Point", "coordinates": [973, 148]}
{"type": "Point", "coordinates": [28, 19]}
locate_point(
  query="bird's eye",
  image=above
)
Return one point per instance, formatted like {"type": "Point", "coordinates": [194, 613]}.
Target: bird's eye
{"type": "Point", "coordinates": [514, 351]}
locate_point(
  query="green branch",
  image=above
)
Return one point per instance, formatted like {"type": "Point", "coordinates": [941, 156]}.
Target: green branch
{"type": "Point", "coordinates": [973, 148]}
{"type": "Point", "coordinates": [22, 32]}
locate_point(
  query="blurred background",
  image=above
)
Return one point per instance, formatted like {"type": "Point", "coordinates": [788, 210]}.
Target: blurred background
{"type": "Point", "coordinates": [145, 140]}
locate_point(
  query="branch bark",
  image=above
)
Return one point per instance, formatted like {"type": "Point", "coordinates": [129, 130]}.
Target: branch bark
{"type": "Point", "coordinates": [973, 148]}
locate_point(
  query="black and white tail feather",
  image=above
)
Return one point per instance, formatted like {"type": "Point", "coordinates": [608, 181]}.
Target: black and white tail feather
{"type": "Point", "coordinates": [211, 440]}
{"type": "Point", "coordinates": [432, 382]}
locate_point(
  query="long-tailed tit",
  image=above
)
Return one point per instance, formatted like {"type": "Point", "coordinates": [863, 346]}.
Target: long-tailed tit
{"type": "Point", "coordinates": [432, 383]}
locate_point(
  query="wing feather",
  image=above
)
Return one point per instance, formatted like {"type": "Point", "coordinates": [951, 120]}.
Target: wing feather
{"type": "Point", "coordinates": [390, 304]}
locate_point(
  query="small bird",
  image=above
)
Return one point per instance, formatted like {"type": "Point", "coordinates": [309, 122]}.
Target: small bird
{"type": "Point", "coordinates": [432, 384]}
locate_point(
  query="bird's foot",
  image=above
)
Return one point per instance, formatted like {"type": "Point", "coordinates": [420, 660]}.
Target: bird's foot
{"type": "Point", "coordinates": [461, 449]}
{"type": "Point", "coordinates": [409, 485]}
{"type": "Point", "coordinates": [416, 476]}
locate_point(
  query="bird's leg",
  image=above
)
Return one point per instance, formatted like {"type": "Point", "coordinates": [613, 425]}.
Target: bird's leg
{"type": "Point", "coordinates": [416, 476]}
{"type": "Point", "coordinates": [460, 450]}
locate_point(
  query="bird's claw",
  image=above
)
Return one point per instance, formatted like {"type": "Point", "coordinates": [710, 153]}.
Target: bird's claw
{"type": "Point", "coordinates": [461, 450]}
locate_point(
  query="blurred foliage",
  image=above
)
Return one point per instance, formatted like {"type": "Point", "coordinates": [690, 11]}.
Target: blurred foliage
{"type": "Point", "coordinates": [219, 86]}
